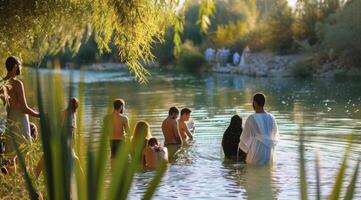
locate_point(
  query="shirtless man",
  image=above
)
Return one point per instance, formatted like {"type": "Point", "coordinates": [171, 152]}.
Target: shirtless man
{"type": "Point", "coordinates": [183, 129]}
{"type": "Point", "coordinates": [170, 128]}
{"type": "Point", "coordinates": [118, 126]}
{"type": "Point", "coordinates": [17, 108]}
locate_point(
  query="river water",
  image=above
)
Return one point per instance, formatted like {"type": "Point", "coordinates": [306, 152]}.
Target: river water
{"type": "Point", "coordinates": [326, 110]}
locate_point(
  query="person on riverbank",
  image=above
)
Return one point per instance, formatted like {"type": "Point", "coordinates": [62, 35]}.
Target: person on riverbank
{"type": "Point", "coordinates": [155, 154]}
{"type": "Point", "coordinates": [184, 131]}
{"type": "Point", "coordinates": [18, 111]}
{"type": "Point", "coordinates": [230, 140]}
{"type": "Point", "coordinates": [260, 134]}
{"type": "Point", "coordinates": [117, 126]}
{"type": "Point", "coordinates": [139, 142]}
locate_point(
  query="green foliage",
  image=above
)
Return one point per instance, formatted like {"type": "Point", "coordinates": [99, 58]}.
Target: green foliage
{"type": "Point", "coordinates": [34, 28]}
{"type": "Point", "coordinates": [68, 176]}
{"type": "Point", "coordinates": [191, 59]}
{"type": "Point", "coordinates": [341, 32]}
{"type": "Point", "coordinates": [279, 27]}
{"type": "Point", "coordinates": [302, 69]}
{"type": "Point", "coordinates": [339, 179]}
{"type": "Point", "coordinates": [206, 10]}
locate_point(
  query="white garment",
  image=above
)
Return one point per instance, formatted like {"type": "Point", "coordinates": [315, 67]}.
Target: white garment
{"type": "Point", "coordinates": [18, 127]}
{"type": "Point", "coordinates": [236, 58]}
{"type": "Point", "coordinates": [259, 138]}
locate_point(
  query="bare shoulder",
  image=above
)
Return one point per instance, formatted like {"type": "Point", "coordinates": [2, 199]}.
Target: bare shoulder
{"type": "Point", "coordinates": [16, 83]}
{"type": "Point", "coordinates": [124, 117]}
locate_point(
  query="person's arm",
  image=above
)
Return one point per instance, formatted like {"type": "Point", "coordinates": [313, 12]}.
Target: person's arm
{"type": "Point", "coordinates": [246, 138]}
{"type": "Point", "coordinates": [22, 100]}
{"type": "Point", "coordinates": [187, 131]}
{"type": "Point", "coordinates": [176, 132]}
{"type": "Point", "coordinates": [126, 126]}
{"type": "Point", "coordinates": [276, 136]}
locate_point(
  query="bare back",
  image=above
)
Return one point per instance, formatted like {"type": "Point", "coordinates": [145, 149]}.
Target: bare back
{"type": "Point", "coordinates": [170, 131]}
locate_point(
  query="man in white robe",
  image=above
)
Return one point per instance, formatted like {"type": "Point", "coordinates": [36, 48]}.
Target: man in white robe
{"type": "Point", "coordinates": [260, 134]}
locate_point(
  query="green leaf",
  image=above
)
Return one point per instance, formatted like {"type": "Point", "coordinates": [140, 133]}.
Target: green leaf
{"type": "Point", "coordinates": [155, 181]}
{"type": "Point", "coordinates": [337, 187]}
{"type": "Point", "coordinates": [351, 187]}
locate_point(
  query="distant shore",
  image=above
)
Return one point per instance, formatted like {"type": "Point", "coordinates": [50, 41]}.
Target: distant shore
{"type": "Point", "coordinates": [260, 64]}
{"type": "Point", "coordinates": [264, 64]}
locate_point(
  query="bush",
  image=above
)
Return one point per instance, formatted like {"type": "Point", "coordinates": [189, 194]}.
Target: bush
{"type": "Point", "coordinates": [302, 69]}
{"type": "Point", "coordinates": [341, 31]}
{"type": "Point", "coordinates": [191, 59]}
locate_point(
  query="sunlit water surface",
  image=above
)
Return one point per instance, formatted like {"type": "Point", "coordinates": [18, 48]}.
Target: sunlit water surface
{"type": "Point", "coordinates": [326, 110]}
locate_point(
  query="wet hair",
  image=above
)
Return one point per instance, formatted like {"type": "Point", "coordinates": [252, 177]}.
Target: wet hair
{"type": "Point", "coordinates": [140, 136]}
{"type": "Point", "coordinates": [260, 99]}
{"type": "Point", "coordinates": [185, 111]}
{"type": "Point", "coordinates": [173, 110]}
{"type": "Point", "coordinates": [142, 131]}
{"type": "Point", "coordinates": [117, 103]}
{"type": "Point", "coordinates": [236, 124]}
{"type": "Point", "coordinates": [10, 63]}
{"type": "Point", "coordinates": [152, 142]}
{"type": "Point", "coordinates": [73, 103]}
{"type": "Point", "coordinates": [33, 131]}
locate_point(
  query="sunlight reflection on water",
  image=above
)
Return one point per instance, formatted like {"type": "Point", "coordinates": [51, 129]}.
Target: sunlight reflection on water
{"type": "Point", "coordinates": [326, 115]}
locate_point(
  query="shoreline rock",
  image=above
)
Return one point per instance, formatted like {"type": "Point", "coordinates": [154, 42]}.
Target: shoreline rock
{"type": "Point", "coordinates": [262, 64]}
{"type": "Point", "coordinates": [265, 64]}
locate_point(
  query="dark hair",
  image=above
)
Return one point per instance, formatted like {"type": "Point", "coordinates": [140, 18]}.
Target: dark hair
{"type": "Point", "coordinates": [260, 99]}
{"type": "Point", "coordinates": [236, 124]}
{"type": "Point", "coordinates": [33, 131]}
{"type": "Point", "coordinates": [185, 111]}
{"type": "Point", "coordinates": [117, 103]}
{"type": "Point", "coordinates": [152, 141]}
{"type": "Point", "coordinates": [73, 103]}
{"type": "Point", "coordinates": [10, 62]}
{"type": "Point", "coordinates": [173, 110]}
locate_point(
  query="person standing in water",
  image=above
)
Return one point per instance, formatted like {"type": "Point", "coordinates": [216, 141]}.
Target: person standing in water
{"type": "Point", "coordinates": [230, 140]}
{"type": "Point", "coordinates": [183, 128]}
{"type": "Point", "coordinates": [260, 134]}
{"type": "Point", "coordinates": [18, 111]}
{"type": "Point", "coordinates": [118, 124]}
{"type": "Point", "coordinates": [170, 128]}
{"type": "Point", "coordinates": [172, 138]}
{"type": "Point", "coordinates": [70, 115]}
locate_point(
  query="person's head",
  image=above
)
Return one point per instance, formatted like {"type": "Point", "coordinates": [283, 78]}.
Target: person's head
{"type": "Point", "coordinates": [236, 122]}
{"type": "Point", "coordinates": [142, 131]}
{"type": "Point", "coordinates": [185, 114]}
{"type": "Point", "coordinates": [118, 105]}
{"type": "Point", "coordinates": [153, 142]}
{"type": "Point", "coordinates": [73, 104]}
{"type": "Point", "coordinates": [259, 100]}
{"type": "Point", "coordinates": [13, 65]}
{"type": "Point", "coordinates": [173, 112]}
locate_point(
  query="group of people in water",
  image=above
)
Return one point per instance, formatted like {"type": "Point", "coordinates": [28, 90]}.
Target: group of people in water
{"type": "Point", "coordinates": [253, 144]}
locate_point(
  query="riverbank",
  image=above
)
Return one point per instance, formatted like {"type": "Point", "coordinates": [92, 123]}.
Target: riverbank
{"type": "Point", "coordinates": [266, 64]}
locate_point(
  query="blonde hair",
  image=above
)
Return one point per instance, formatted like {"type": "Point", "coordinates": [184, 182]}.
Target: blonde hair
{"type": "Point", "coordinates": [141, 131]}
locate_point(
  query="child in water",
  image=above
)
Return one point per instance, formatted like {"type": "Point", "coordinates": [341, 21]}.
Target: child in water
{"type": "Point", "coordinates": [155, 154]}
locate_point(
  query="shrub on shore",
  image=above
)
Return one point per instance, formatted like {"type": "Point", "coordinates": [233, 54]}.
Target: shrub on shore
{"type": "Point", "coordinates": [191, 59]}
{"type": "Point", "coordinates": [302, 69]}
